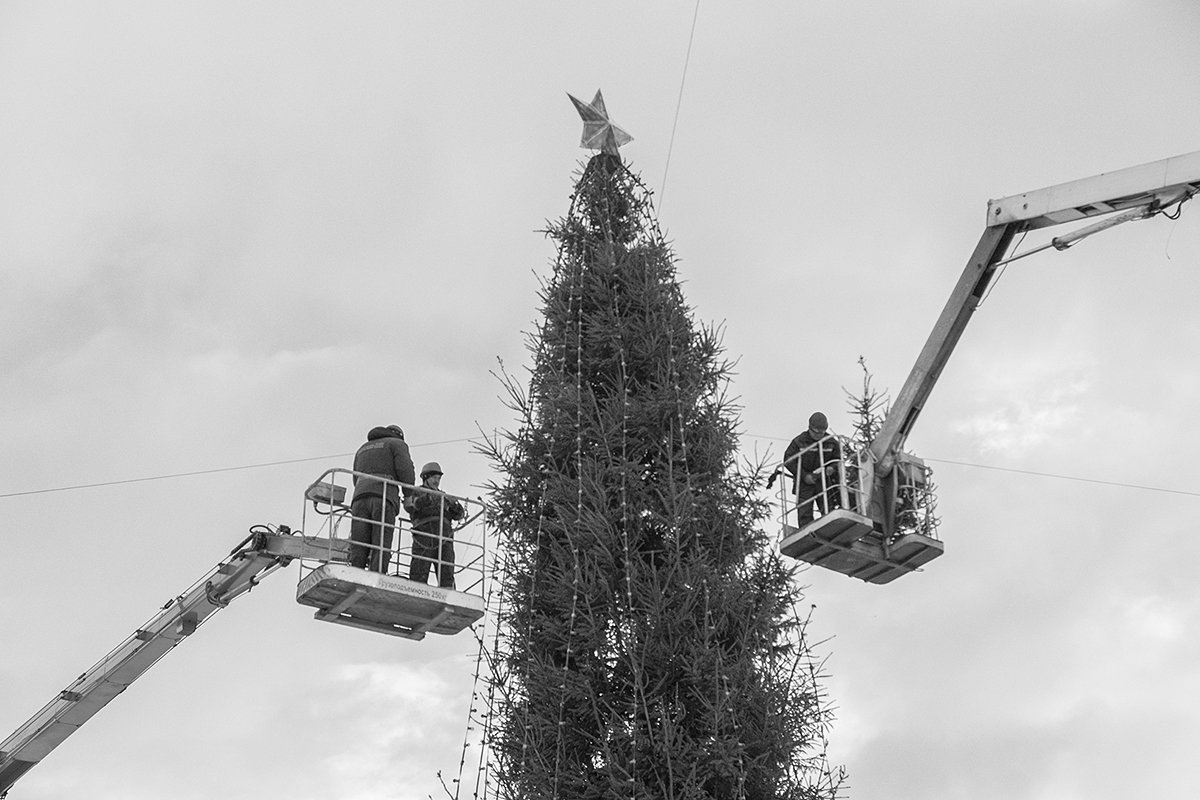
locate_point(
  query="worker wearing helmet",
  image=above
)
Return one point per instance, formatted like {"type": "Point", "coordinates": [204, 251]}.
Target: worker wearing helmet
{"type": "Point", "coordinates": [812, 459]}
{"type": "Point", "coordinates": [381, 465]}
{"type": "Point", "coordinates": [433, 513]}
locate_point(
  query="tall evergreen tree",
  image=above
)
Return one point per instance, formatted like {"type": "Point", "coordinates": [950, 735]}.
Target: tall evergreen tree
{"type": "Point", "coordinates": [648, 642]}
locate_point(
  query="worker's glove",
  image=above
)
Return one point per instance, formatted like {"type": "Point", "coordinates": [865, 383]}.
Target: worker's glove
{"type": "Point", "coordinates": [771, 479]}
{"type": "Point", "coordinates": [809, 478]}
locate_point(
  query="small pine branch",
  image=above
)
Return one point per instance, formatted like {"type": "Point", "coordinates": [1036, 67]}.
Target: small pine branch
{"type": "Point", "coordinates": [868, 409]}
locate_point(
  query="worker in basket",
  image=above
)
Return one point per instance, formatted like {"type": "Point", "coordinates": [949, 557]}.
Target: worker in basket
{"type": "Point", "coordinates": [380, 465]}
{"type": "Point", "coordinates": [812, 460]}
{"type": "Point", "coordinates": [433, 513]}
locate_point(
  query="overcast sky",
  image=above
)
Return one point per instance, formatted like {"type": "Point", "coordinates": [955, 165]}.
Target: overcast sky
{"type": "Point", "coordinates": [237, 233]}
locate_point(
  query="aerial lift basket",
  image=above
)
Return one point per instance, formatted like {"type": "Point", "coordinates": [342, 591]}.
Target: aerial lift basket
{"type": "Point", "coordinates": [388, 602]}
{"type": "Point", "coordinates": [849, 536]}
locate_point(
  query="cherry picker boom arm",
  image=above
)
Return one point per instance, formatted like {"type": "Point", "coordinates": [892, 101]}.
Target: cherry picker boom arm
{"type": "Point", "coordinates": [970, 289]}
{"type": "Point", "coordinates": [260, 554]}
{"type": "Point", "coordinates": [1152, 187]}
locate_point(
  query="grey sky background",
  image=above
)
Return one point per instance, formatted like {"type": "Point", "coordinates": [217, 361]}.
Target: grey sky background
{"type": "Point", "coordinates": [242, 234]}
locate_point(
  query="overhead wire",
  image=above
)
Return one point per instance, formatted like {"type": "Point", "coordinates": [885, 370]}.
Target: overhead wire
{"type": "Point", "coordinates": [1065, 477]}
{"type": "Point", "coordinates": [1032, 472]}
{"type": "Point", "coordinates": [687, 58]}
{"type": "Point", "coordinates": [213, 471]}
{"type": "Point", "coordinates": [972, 465]}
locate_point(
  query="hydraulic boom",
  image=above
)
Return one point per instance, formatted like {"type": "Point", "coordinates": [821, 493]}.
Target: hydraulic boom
{"type": "Point", "coordinates": [1149, 188]}
{"type": "Point", "coordinates": [260, 554]}
{"type": "Point", "coordinates": [876, 530]}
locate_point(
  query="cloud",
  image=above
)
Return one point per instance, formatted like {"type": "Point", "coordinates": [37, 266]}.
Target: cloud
{"type": "Point", "coordinates": [1024, 423]}
{"type": "Point", "coordinates": [1036, 407]}
{"type": "Point", "coordinates": [236, 236]}
{"type": "Point", "coordinates": [408, 717]}
{"type": "Point", "coordinates": [1091, 753]}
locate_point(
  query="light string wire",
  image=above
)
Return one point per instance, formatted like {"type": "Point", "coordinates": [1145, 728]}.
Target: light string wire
{"type": "Point", "coordinates": [626, 625]}
{"type": "Point", "coordinates": [575, 300]}
{"type": "Point", "coordinates": [502, 642]}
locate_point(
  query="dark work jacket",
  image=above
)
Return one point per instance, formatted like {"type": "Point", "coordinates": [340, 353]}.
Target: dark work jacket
{"type": "Point", "coordinates": [385, 455]}
{"type": "Point", "coordinates": [428, 508]}
{"type": "Point", "coordinates": [812, 460]}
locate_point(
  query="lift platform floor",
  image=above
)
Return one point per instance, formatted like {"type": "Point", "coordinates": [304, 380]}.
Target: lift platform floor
{"type": "Point", "coordinates": [386, 603]}
{"type": "Point", "coordinates": [845, 542]}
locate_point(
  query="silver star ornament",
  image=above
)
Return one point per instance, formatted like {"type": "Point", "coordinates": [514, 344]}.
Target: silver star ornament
{"type": "Point", "coordinates": [599, 132]}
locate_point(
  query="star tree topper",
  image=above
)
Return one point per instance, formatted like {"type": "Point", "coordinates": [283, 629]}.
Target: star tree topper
{"type": "Point", "coordinates": [599, 132]}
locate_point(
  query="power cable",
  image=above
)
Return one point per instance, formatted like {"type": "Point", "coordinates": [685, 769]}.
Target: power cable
{"type": "Point", "coordinates": [210, 471]}
{"type": "Point", "coordinates": [1065, 477]}
{"type": "Point", "coordinates": [477, 438]}
{"type": "Point", "coordinates": [1032, 472]}
{"type": "Point", "coordinates": [662, 190]}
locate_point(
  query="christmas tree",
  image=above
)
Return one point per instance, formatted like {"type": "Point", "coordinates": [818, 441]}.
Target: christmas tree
{"type": "Point", "coordinates": [648, 640]}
